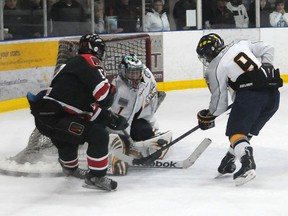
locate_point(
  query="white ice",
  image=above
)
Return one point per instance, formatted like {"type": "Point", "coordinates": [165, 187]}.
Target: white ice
{"type": "Point", "coordinates": [167, 192]}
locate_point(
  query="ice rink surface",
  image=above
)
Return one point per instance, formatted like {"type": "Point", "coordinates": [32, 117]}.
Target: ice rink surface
{"type": "Point", "coordinates": [153, 191]}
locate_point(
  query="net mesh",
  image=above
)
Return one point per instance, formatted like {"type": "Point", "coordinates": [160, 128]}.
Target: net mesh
{"type": "Point", "coordinates": [40, 157]}
{"type": "Point", "coordinates": [115, 48]}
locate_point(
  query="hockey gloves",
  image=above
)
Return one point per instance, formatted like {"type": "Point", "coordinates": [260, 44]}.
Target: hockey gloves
{"type": "Point", "coordinates": [114, 121]}
{"type": "Point", "coordinates": [205, 119]}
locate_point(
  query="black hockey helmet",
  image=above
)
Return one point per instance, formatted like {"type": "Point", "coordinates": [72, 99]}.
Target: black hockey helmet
{"type": "Point", "coordinates": [131, 70]}
{"type": "Point", "coordinates": [92, 44]}
{"type": "Point", "coordinates": [209, 47]}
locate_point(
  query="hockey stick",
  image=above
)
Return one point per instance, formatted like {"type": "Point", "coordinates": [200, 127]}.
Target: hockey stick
{"type": "Point", "coordinates": [17, 173]}
{"type": "Point", "coordinates": [151, 158]}
{"type": "Point", "coordinates": [182, 164]}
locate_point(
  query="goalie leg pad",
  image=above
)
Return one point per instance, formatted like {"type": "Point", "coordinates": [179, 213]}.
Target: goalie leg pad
{"type": "Point", "coordinates": [149, 146]}
{"type": "Point", "coordinates": [117, 166]}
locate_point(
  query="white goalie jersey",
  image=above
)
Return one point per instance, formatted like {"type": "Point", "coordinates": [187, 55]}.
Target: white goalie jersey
{"type": "Point", "coordinates": [128, 101]}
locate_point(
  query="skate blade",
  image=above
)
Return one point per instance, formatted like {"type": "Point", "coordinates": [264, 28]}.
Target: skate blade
{"type": "Point", "coordinates": [248, 176]}
{"type": "Point", "coordinates": [219, 175]}
{"type": "Point", "coordinates": [96, 188]}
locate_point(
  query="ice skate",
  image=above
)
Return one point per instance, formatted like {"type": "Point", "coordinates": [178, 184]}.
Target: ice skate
{"type": "Point", "coordinates": [77, 173]}
{"type": "Point", "coordinates": [74, 172]}
{"type": "Point", "coordinates": [104, 183]}
{"type": "Point", "coordinates": [227, 165]}
{"type": "Point", "coordinates": [247, 171]}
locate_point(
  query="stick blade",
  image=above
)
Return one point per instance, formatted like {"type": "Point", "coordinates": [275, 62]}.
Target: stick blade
{"type": "Point", "coordinates": [196, 153]}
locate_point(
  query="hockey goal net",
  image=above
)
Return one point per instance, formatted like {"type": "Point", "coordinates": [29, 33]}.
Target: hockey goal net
{"type": "Point", "coordinates": [40, 157]}
{"type": "Point", "coordinates": [116, 47]}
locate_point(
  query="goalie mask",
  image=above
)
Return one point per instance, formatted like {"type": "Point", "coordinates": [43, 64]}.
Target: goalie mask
{"type": "Point", "coordinates": [92, 44]}
{"type": "Point", "coordinates": [131, 70]}
{"type": "Point", "coordinates": [209, 47]}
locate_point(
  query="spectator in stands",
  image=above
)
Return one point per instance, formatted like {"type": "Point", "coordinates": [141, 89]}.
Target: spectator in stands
{"type": "Point", "coordinates": [31, 4]}
{"type": "Point", "coordinates": [156, 19]}
{"type": "Point", "coordinates": [14, 21]}
{"type": "Point", "coordinates": [208, 8]}
{"type": "Point", "coordinates": [247, 4]}
{"type": "Point", "coordinates": [68, 18]}
{"type": "Point", "coordinates": [240, 13]}
{"type": "Point", "coordinates": [127, 14]}
{"type": "Point", "coordinates": [11, 4]}
{"type": "Point", "coordinates": [7, 35]}
{"type": "Point", "coordinates": [279, 18]}
{"type": "Point", "coordinates": [179, 13]}
{"type": "Point", "coordinates": [35, 11]}
{"type": "Point", "coordinates": [273, 3]}
{"type": "Point", "coordinates": [223, 17]}
{"type": "Point", "coordinates": [265, 10]}
{"type": "Point", "coordinates": [49, 7]}
{"type": "Point", "coordinates": [99, 18]}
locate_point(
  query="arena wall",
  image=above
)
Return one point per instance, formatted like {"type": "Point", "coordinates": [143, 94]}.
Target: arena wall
{"type": "Point", "coordinates": [28, 65]}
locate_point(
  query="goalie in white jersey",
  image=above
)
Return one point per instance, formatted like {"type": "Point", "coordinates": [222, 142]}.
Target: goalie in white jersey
{"type": "Point", "coordinates": [245, 68]}
{"type": "Point", "coordinates": [136, 99]}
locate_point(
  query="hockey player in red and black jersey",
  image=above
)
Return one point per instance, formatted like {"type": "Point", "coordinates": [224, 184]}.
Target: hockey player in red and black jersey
{"type": "Point", "coordinates": [75, 110]}
{"type": "Point", "coordinates": [246, 69]}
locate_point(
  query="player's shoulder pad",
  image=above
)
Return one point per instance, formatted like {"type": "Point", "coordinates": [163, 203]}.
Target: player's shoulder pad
{"type": "Point", "coordinates": [92, 60]}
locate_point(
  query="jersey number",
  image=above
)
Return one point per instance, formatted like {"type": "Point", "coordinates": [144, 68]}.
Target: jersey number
{"type": "Point", "coordinates": [244, 62]}
{"type": "Point", "coordinates": [102, 72]}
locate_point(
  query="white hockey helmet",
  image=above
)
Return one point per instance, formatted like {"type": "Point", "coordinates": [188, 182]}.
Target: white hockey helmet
{"type": "Point", "coordinates": [131, 70]}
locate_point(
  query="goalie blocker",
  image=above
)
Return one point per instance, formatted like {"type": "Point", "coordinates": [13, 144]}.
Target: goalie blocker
{"type": "Point", "coordinates": [119, 143]}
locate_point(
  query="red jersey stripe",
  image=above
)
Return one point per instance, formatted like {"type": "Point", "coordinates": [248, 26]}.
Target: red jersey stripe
{"type": "Point", "coordinates": [101, 90]}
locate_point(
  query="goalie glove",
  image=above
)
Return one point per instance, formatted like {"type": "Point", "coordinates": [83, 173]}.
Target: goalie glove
{"type": "Point", "coordinates": [112, 120]}
{"type": "Point", "coordinates": [205, 119]}
{"type": "Point", "coordinates": [115, 121]}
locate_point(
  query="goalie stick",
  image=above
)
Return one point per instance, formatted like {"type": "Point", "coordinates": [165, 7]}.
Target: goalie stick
{"type": "Point", "coordinates": [151, 158]}
{"type": "Point", "coordinates": [183, 164]}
